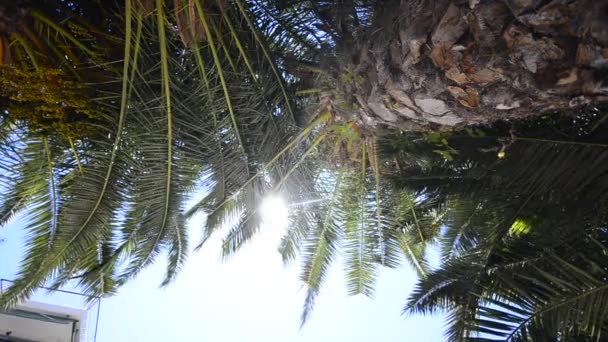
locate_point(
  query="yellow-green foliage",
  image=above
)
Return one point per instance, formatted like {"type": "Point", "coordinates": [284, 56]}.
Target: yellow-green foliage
{"type": "Point", "coordinates": [46, 101]}
{"type": "Point", "coordinates": [520, 227]}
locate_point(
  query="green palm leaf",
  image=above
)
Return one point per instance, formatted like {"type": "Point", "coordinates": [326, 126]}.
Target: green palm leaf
{"type": "Point", "coordinates": [359, 240]}
{"type": "Point", "coordinates": [321, 247]}
{"type": "Point", "coordinates": [36, 183]}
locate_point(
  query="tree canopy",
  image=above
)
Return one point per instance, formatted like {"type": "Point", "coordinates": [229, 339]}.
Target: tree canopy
{"type": "Point", "coordinates": [389, 128]}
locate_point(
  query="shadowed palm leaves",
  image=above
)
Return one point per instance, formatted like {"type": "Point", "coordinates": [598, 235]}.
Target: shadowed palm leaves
{"type": "Point", "coordinates": [37, 34]}
{"type": "Point", "coordinates": [524, 245]}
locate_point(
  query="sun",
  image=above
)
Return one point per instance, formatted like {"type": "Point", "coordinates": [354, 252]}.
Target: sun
{"type": "Point", "coordinates": [274, 212]}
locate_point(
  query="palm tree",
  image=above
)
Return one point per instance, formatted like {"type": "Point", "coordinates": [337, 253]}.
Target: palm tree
{"type": "Point", "coordinates": [49, 108]}
{"type": "Point", "coordinates": [525, 241]}
{"type": "Point", "coordinates": [420, 65]}
{"type": "Point", "coordinates": [168, 120]}
{"type": "Point", "coordinates": [243, 98]}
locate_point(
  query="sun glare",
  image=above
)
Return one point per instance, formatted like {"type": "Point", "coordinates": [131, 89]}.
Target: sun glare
{"type": "Point", "coordinates": [274, 212]}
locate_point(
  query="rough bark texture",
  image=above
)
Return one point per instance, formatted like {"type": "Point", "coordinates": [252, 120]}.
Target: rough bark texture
{"type": "Point", "coordinates": [436, 64]}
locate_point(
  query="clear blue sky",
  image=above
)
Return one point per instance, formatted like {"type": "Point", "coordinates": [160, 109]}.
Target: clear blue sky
{"type": "Point", "coordinates": [251, 297]}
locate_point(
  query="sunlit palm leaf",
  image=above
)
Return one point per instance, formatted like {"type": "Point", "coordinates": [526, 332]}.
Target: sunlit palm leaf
{"type": "Point", "coordinates": [321, 247]}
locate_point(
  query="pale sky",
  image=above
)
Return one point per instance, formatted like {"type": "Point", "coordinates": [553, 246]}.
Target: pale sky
{"type": "Point", "coordinates": [252, 297]}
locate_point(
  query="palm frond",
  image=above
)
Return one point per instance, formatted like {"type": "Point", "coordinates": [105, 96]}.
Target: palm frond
{"type": "Point", "coordinates": [270, 60]}
{"type": "Point", "coordinates": [36, 183]}
{"type": "Point", "coordinates": [320, 247]}
{"type": "Point", "coordinates": [291, 242]}
{"type": "Point", "coordinates": [545, 293]}
{"type": "Point", "coordinates": [360, 242]}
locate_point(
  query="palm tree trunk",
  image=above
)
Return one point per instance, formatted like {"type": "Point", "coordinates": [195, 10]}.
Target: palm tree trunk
{"type": "Point", "coordinates": [436, 64]}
